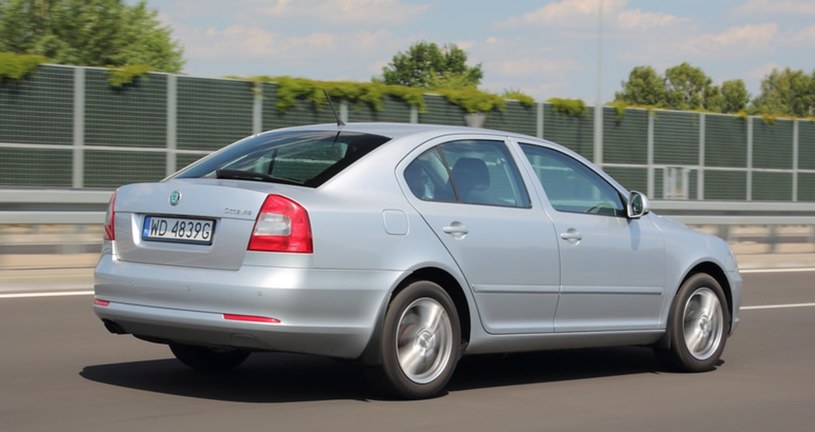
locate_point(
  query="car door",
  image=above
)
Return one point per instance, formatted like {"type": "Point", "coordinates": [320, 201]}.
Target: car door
{"type": "Point", "coordinates": [470, 192]}
{"type": "Point", "coordinates": [612, 268]}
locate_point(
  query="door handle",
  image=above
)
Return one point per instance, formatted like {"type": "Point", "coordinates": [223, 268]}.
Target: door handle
{"type": "Point", "coordinates": [456, 229]}
{"type": "Point", "coordinates": [572, 236]}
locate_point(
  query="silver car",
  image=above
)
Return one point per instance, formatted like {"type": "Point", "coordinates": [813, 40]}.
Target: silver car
{"type": "Point", "coordinates": [405, 247]}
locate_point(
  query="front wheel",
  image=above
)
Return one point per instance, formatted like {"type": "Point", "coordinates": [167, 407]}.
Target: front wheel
{"type": "Point", "coordinates": [420, 340]}
{"type": "Point", "coordinates": [698, 325]}
{"type": "Point", "coordinates": [207, 359]}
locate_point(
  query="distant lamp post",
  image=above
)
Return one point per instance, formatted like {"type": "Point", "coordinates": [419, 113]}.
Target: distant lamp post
{"type": "Point", "coordinates": [598, 104]}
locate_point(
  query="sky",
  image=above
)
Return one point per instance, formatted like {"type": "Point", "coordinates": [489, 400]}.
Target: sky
{"type": "Point", "coordinates": [543, 48]}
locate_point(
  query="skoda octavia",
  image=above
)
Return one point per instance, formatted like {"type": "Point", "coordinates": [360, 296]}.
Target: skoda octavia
{"type": "Point", "coordinates": [406, 247]}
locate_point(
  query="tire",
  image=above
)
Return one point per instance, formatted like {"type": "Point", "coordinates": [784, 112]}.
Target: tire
{"type": "Point", "coordinates": [207, 359]}
{"type": "Point", "coordinates": [419, 343]}
{"type": "Point", "coordinates": [698, 326]}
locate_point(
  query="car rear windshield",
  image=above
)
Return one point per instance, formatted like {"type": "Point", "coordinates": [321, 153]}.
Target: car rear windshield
{"type": "Point", "coordinates": [308, 158]}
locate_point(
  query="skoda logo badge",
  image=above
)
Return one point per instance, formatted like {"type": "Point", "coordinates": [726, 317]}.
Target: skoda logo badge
{"type": "Point", "coordinates": [175, 197]}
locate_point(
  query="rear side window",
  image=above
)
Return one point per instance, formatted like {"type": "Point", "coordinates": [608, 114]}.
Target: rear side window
{"type": "Point", "coordinates": [308, 158]}
{"type": "Point", "coordinates": [468, 171]}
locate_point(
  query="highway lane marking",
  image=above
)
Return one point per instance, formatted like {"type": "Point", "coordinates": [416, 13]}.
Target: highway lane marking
{"type": "Point", "coordinates": [45, 294]}
{"type": "Point", "coordinates": [778, 270]}
{"type": "Point", "coordinates": [778, 306]}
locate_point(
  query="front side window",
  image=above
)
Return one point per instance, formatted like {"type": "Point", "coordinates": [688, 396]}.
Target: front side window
{"type": "Point", "coordinates": [571, 186]}
{"type": "Point", "coordinates": [308, 158]}
{"type": "Point", "coordinates": [468, 171]}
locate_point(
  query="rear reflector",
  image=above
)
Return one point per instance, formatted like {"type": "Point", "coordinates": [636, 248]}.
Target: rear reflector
{"type": "Point", "coordinates": [100, 302]}
{"type": "Point", "coordinates": [251, 318]}
{"type": "Point", "coordinates": [281, 226]}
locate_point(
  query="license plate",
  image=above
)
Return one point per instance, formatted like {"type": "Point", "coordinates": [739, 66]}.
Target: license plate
{"type": "Point", "coordinates": [179, 230]}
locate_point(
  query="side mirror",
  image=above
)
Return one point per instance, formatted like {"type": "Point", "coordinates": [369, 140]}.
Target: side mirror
{"type": "Point", "coordinates": [637, 205]}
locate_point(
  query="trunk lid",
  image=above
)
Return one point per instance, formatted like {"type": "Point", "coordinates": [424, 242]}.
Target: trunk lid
{"type": "Point", "coordinates": [230, 206]}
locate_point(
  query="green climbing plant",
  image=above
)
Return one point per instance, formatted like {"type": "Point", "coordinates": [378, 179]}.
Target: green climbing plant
{"type": "Point", "coordinates": [122, 76]}
{"type": "Point", "coordinates": [570, 107]}
{"type": "Point", "coordinates": [17, 66]}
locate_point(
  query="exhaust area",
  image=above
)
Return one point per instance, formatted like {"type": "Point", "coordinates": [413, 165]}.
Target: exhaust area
{"type": "Point", "coordinates": [113, 327]}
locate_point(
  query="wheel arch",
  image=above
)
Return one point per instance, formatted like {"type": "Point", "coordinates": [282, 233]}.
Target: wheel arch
{"type": "Point", "coordinates": [716, 272]}
{"type": "Point", "coordinates": [444, 279]}
{"type": "Point", "coordinates": [453, 289]}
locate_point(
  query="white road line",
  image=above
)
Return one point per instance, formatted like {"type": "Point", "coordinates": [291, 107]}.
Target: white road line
{"type": "Point", "coordinates": [46, 294]}
{"type": "Point", "coordinates": [778, 306]}
{"type": "Point", "coordinates": [777, 270]}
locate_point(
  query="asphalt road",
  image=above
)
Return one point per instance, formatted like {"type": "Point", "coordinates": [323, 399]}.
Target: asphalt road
{"type": "Point", "coordinates": [61, 371]}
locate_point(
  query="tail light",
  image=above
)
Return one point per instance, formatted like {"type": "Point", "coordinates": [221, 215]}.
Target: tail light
{"type": "Point", "coordinates": [110, 233]}
{"type": "Point", "coordinates": [281, 226]}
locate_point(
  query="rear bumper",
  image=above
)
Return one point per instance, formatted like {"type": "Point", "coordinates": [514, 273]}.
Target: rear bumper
{"type": "Point", "coordinates": [324, 312]}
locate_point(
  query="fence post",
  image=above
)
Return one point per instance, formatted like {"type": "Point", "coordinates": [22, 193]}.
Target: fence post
{"type": "Point", "coordinates": [700, 176]}
{"type": "Point", "coordinates": [257, 109]}
{"type": "Point", "coordinates": [344, 111]}
{"type": "Point", "coordinates": [172, 124]}
{"type": "Point", "coordinates": [650, 153]}
{"type": "Point", "coordinates": [540, 120]}
{"type": "Point", "coordinates": [795, 145]}
{"type": "Point", "coordinates": [79, 128]}
{"type": "Point", "coordinates": [414, 114]}
{"type": "Point", "coordinates": [749, 158]}
{"type": "Point", "coordinates": [598, 135]}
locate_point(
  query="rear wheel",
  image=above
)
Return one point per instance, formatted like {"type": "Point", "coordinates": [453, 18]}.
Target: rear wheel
{"type": "Point", "coordinates": [698, 326]}
{"type": "Point", "coordinates": [207, 359]}
{"type": "Point", "coordinates": [420, 341]}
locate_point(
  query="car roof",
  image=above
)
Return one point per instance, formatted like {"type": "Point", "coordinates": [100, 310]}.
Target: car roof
{"type": "Point", "coordinates": [401, 130]}
{"type": "Point", "coordinates": [396, 131]}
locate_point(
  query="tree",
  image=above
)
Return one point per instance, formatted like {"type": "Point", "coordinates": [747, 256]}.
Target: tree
{"type": "Point", "coordinates": [686, 87]}
{"type": "Point", "coordinates": [735, 96]}
{"type": "Point", "coordinates": [644, 87]}
{"type": "Point", "coordinates": [790, 92]}
{"type": "Point", "coordinates": [713, 99]}
{"type": "Point", "coordinates": [427, 65]}
{"type": "Point", "coordinates": [89, 33]}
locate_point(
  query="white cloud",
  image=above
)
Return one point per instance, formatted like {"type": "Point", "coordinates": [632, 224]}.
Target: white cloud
{"type": "Point", "coordinates": [283, 38]}
{"type": "Point", "coordinates": [637, 19]}
{"type": "Point", "coordinates": [736, 41]}
{"type": "Point", "coordinates": [763, 7]}
{"type": "Point", "coordinates": [350, 12]}
{"type": "Point", "coordinates": [234, 42]}
{"type": "Point", "coordinates": [804, 37]}
{"type": "Point", "coordinates": [531, 67]}
{"type": "Point", "coordinates": [241, 43]}
{"type": "Point", "coordinates": [758, 73]}
{"type": "Point", "coordinates": [567, 13]}
{"type": "Point", "coordinates": [466, 45]}
{"type": "Point", "coordinates": [279, 8]}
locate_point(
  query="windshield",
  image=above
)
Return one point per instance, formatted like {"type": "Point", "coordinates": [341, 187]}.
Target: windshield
{"type": "Point", "coordinates": [308, 158]}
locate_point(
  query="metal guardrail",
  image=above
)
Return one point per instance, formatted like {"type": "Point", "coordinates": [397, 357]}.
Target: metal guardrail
{"type": "Point", "coordinates": [53, 206]}
{"type": "Point", "coordinates": [63, 228]}
{"type": "Point", "coordinates": [87, 207]}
